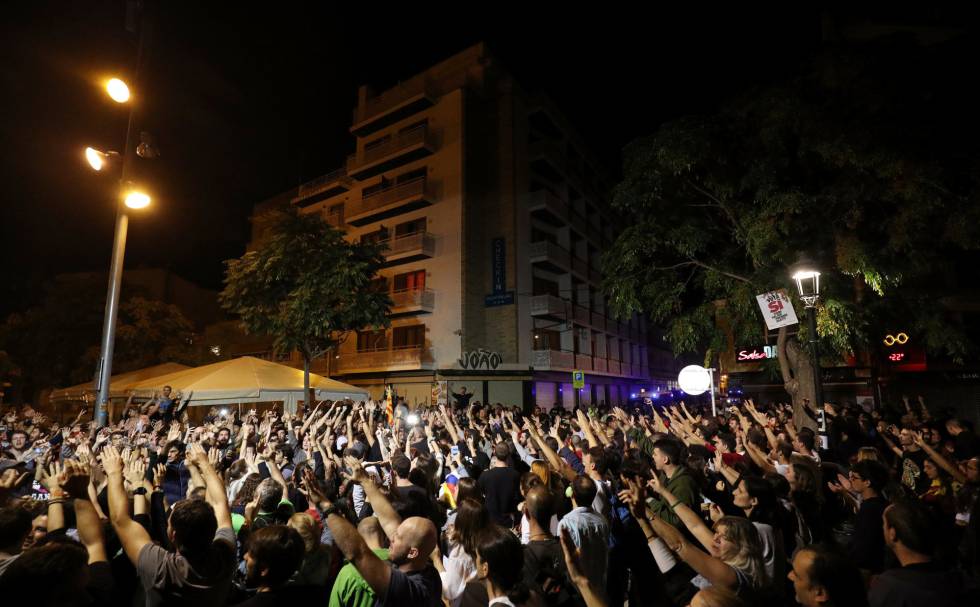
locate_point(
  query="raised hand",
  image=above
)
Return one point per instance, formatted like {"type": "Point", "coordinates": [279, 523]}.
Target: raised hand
{"type": "Point", "coordinates": [52, 478]}
{"type": "Point", "coordinates": [159, 474]}
{"type": "Point", "coordinates": [75, 479]}
{"type": "Point", "coordinates": [136, 471]}
{"type": "Point", "coordinates": [656, 484]}
{"type": "Point", "coordinates": [357, 472]}
{"type": "Point", "coordinates": [10, 480]}
{"type": "Point", "coordinates": [111, 462]}
{"type": "Point", "coordinates": [196, 456]}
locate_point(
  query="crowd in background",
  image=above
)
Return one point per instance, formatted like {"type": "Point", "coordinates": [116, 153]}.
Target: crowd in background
{"type": "Point", "coordinates": [369, 503]}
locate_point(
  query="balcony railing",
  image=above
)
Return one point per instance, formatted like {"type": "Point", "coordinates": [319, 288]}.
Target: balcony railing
{"type": "Point", "coordinates": [333, 182]}
{"type": "Point", "coordinates": [405, 196]}
{"type": "Point", "coordinates": [410, 357]}
{"type": "Point", "coordinates": [598, 321]}
{"type": "Point", "coordinates": [413, 95]}
{"type": "Point", "coordinates": [411, 144]}
{"type": "Point", "coordinates": [583, 362]}
{"type": "Point", "coordinates": [600, 365]}
{"type": "Point", "coordinates": [553, 359]}
{"type": "Point", "coordinates": [548, 305]}
{"type": "Point", "coordinates": [417, 245]}
{"type": "Point", "coordinates": [550, 254]}
{"type": "Point", "coordinates": [582, 315]}
{"type": "Point", "coordinates": [615, 367]}
{"type": "Point", "coordinates": [411, 300]}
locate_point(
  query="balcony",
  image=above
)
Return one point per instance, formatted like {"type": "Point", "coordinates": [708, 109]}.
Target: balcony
{"type": "Point", "coordinates": [549, 256]}
{"type": "Point", "coordinates": [553, 360]}
{"type": "Point", "coordinates": [547, 207]}
{"type": "Point", "coordinates": [547, 159]}
{"type": "Point", "coordinates": [594, 276]}
{"type": "Point", "coordinates": [393, 105]}
{"type": "Point", "coordinates": [410, 247]}
{"type": "Point", "coordinates": [321, 188]}
{"type": "Point", "coordinates": [412, 301]}
{"type": "Point", "coordinates": [548, 306]}
{"type": "Point", "coordinates": [396, 359]}
{"type": "Point", "coordinates": [401, 148]}
{"type": "Point", "coordinates": [615, 367]}
{"type": "Point", "coordinates": [389, 202]}
{"type": "Point", "coordinates": [598, 321]}
{"type": "Point", "coordinates": [582, 316]}
{"type": "Point", "coordinates": [600, 365]}
{"type": "Point", "coordinates": [583, 362]}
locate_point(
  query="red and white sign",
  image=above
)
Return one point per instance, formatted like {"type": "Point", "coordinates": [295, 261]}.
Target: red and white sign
{"type": "Point", "coordinates": [777, 309]}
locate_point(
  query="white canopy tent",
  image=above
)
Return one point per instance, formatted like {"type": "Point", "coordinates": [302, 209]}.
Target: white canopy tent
{"type": "Point", "coordinates": [247, 380]}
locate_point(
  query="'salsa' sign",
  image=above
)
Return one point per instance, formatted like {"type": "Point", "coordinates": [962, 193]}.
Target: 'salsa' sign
{"type": "Point", "coordinates": [754, 354]}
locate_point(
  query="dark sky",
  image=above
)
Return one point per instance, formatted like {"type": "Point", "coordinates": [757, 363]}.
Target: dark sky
{"type": "Point", "coordinates": [245, 101]}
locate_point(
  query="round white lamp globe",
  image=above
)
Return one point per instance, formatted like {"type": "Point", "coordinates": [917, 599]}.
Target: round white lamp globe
{"type": "Point", "coordinates": [694, 380]}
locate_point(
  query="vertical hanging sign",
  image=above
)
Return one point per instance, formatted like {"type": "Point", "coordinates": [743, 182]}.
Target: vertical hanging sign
{"type": "Point", "coordinates": [499, 296]}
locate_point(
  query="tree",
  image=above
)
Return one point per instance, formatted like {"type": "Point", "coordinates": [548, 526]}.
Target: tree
{"type": "Point", "coordinates": [56, 341]}
{"type": "Point", "coordinates": [842, 163]}
{"type": "Point", "coordinates": [305, 286]}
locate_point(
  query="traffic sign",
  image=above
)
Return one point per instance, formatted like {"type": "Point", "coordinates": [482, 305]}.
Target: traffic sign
{"type": "Point", "coordinates": [578, 380]}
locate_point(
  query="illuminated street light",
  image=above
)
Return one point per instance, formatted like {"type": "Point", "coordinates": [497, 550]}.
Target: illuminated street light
{"type": "Point", "coordinates": [807, 278]}
{"type": "Point", "coordinates": [117, 90]}
{"type": "Point", "coordinates": [95, 158]}
{"type": "Point", "coordinates": [137, 200]}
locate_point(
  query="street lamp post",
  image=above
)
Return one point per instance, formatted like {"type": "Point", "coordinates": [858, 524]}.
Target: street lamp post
{"type": "Point", "coordinates": [808, 284]}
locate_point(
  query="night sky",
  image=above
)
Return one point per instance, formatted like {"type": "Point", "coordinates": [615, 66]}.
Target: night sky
{"type": "Point", "coordinates": [246, 101]}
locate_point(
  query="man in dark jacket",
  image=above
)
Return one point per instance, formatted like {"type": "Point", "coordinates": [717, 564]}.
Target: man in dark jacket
{"type": "Point", "coordinates": [668, 458]}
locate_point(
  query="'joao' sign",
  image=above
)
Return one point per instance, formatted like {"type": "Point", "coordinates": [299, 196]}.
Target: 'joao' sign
{"type": "Point", "coordinates": [777, 309]}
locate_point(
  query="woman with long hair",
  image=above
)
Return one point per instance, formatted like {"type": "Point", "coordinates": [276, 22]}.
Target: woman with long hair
{"type": "Point", "coordinates": [733, 551]}
{"type": "Point", "coordinates": [805, 498]}
{"type": "Point", "coordinates": [317, 568]}
{"type": "Point", "coordinates": [459, 566]}
{"type": "Point", "coordinates": [500, 566]}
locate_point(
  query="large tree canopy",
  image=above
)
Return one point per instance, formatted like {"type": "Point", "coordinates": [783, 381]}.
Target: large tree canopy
{"type": "Point", "coordinates": [842, 163]}
{"type": "Point", "coordinates": [55, 343]}
{"type": "Point", "coordinates": [304, 285]}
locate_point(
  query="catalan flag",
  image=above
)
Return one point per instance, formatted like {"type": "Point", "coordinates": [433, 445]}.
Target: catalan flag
{"type": "Point", "coordinates": [389, 405]}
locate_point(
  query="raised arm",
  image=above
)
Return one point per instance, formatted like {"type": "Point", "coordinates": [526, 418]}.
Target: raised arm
{"type": "Point", "coordinates": [553, 458]}
{"type": "Point", "coordinates": [375, 572]}
{"type": "Point", "coordinates": [386, 514]}
{"type": "Point", "coordinates": [131, 534]}
{"type": "Point", "coordinates": [216, 494]}
{"type": "Point", "coordinates": [937, 457]}
{"type": "Point", "coordinates": [687, 516]}
{"type": "Point", "coordinates": [76, 481]}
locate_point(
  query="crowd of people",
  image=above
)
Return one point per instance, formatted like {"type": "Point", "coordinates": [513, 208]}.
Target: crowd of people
{"type": "Point", "coordinates": [364, 503]}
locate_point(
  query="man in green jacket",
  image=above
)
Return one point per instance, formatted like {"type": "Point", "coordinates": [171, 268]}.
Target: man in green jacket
{"type": "Point", "coordinates": [667, 457]}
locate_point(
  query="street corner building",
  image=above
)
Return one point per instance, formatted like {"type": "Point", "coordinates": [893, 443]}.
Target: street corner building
{"type": "Point", "coordinates": [494, 217]}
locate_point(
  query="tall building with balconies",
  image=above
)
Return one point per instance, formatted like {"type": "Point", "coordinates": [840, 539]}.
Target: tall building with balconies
{"type": "Point", "coordinates": [494, 217]}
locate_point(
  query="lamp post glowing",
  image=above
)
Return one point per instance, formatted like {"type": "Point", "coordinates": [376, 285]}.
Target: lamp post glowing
{"type": "Point", "coordinates": [137, 200]}
{"type": "Point", "coordinates": [807, 279]}
{"type": "Point", "coordinates": [118, 90]}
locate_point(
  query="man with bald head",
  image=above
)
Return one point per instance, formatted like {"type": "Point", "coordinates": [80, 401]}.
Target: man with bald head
{"type": "Point", "coordinates": [408, 577]}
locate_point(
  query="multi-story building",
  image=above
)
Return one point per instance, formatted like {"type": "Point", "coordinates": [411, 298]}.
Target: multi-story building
{"type": "Point", "coordinates": [494, 219]}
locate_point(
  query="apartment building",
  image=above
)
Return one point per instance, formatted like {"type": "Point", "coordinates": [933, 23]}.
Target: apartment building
{"type": "Point", "coordinates": [493, 215]}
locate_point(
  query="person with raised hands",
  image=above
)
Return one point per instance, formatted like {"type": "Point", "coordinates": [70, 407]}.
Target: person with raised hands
{"type": "Point", "coordinates": [200, 571]}
{"type": "Point", "coordinates": [409, 578]}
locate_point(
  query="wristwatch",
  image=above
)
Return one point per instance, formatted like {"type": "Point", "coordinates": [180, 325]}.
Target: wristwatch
{"type": "Point", "coordinates": [139, 491]}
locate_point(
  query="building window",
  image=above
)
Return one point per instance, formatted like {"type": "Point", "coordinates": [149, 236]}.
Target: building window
{"type": "Point", "coordinates": [415, 125]}
{"type": "Point", "coordinates": [546, 339]}
{"type": "Point", "coordinates": [375, 237]}
{"type": "Point", "coordinates": [540, 286]}
{"type": "Point", "coordinates": [410, 227]}
{"type": "Point", "coordinates": [376, 143]}
{"type": "Point", "coordinates": [410, 281]}
{"type": "Point", "coordinates": [372, 341]}
{"type": "Point", "coordinates": [411, 175]}
{"type": "Point", "coordinates": [412, 336]}
{"type": "Point", "coordinates": [540, 235]}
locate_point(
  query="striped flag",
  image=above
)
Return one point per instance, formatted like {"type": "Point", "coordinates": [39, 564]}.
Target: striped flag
{"type": "Point", "coordinates": [389, 405]}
